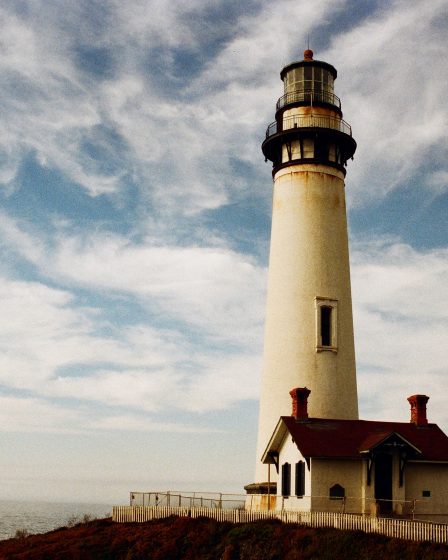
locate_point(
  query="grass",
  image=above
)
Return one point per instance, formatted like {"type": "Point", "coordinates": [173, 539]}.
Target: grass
{"type": "Point", "coordinates": [183, 538]}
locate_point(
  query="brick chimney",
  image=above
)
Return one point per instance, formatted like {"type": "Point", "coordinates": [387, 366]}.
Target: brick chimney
{"type": "Point", "coordinates": [300, 402]}
{"type": "Point", "coordinates": [418, 409]}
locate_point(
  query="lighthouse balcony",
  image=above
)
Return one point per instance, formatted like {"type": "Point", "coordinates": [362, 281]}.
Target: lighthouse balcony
{"type": "Point", "coordinates": [308, 97]}
{"type": "Point", "coordinates": [309, 138]}
{"type": "Point", "coordinates": [308, 121]}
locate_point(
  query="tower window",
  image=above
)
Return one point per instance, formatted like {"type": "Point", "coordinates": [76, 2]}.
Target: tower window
{"type": "Point", "coordinates": [321, 149]}
{"type": "Point", "coordinates": [326, 324]}
{"type": "Point", "coordinates": [286, 479]}
{"type": "Point", "coordinates": [307, 148]}
{"type": "Point", "coordinates": [300, 479]}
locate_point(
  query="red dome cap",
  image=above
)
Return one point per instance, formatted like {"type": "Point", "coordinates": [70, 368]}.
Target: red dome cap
{"type": "Point", "coordinates": [308, 54]}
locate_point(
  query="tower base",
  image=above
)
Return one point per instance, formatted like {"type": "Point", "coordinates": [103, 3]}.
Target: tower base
{"type": "Point", "coordinates": [261, 496]}
{"type": "Point", "coordinates": [261, 488]}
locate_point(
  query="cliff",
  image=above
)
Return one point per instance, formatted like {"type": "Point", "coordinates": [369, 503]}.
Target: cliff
{"type": "Point", "coordinates": [205, 539]}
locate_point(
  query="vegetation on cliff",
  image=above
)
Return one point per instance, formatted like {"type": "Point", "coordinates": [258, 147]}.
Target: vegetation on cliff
{"type": "Point", "coordinates": [183, 538]}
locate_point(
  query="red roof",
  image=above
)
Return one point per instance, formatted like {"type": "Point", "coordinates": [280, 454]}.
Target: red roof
{"type": "Point", "coordinates": [319, 437]}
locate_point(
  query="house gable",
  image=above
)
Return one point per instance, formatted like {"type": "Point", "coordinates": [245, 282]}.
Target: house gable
{"type": "Point", "coordinates": [391, 441]}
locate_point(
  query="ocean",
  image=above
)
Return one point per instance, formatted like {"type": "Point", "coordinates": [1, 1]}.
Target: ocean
{"type": "Point", "coordinates": [40, 517]}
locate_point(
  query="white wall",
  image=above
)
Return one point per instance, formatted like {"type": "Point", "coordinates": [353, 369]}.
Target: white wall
{"type": "Point", "coordinates": [308, 259]}
{"type": "Point", "coordinates": [290, 454]}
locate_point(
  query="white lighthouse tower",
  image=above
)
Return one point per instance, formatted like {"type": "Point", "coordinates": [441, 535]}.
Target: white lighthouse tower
{"type": "Point", "coordinates": [309, 326]}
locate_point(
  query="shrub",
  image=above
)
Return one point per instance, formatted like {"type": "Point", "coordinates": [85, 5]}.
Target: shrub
{"type": "Point", "coordinates": [21, 534]}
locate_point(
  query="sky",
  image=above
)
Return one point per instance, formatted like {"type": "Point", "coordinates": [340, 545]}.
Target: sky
{"type": "Point", "coordinates": [135, 210]}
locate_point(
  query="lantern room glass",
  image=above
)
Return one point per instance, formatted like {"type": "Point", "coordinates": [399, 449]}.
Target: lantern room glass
{"type": "Point", "coordinates": [309, 79]}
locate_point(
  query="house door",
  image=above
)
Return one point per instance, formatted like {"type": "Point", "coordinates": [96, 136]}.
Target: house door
{"type": "Point", "coordinates": [383, 482]}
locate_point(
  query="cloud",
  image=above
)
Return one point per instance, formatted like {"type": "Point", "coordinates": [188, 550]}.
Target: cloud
{"type": "Point", "coordinates": [177, 135]}
{"type": "Point", "coordinates": [109, 102]}
{"type": "Point", "coordinates": [215, 289]}
{"type": "Point", "coordinates": [34, 339]}
{"type": "Point", "coordinates": [400, 307]}
{"type": "Point", "coordinates": [212, 288]}
{"type": "Point", "coordinates": [39, 415]}
{"type": "Point", "coordinates": [206, 359]}
{"type": "Point", "coordinates": [20, 414]}
{"type": "Point", "coordinates": [53, 349]}
{"type": "Point", "coordinates": [222, 380]}
{"type": "Point", "coordinates": [391, 82]}
{"type": "Point", "coordinates": [438, 181]}
{"type": "Point", "coordinates": [400, 320]}
{"type": "Point", "coordinates": [398, 294]}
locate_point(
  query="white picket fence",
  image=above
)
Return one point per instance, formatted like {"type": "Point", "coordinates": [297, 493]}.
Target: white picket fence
{"type": "Point", "coordinates": [398, 528]}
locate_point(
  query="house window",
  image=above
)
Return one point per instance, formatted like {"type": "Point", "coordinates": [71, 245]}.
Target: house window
{"type": "Point", "coordinates": [286, 479]}
{"type": "Point", "coordinates": [337, 492]}
{"type": "Point", "coordinates": [426, 493]}
{"type": "Point", "coordinates": [300, 479]}
{"type": "Point", "coordinates": [326, 324]}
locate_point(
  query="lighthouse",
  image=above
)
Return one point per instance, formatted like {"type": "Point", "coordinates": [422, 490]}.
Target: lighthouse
{"type": "Point", "coordinates": [309, 326]}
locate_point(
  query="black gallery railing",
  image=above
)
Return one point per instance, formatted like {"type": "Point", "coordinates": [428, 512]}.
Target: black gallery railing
{"type": "Point", "coordinates": [308, 96]}
{"type": "Point", "coordinates": [308, 121]}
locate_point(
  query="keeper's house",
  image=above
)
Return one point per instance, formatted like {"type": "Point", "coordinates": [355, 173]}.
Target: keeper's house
{"type": "Point", "coordinates": [360, 466]}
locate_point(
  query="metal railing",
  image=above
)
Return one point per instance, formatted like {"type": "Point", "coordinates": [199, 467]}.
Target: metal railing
{"type": "Point", "coordinates": [175, 498]}
{"type": "Point", "coordinates": [308, 121]}
{"type": "Point", "coordinates": [411, 508]}
{"type": "Point", "coordinates": [308, 96]}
